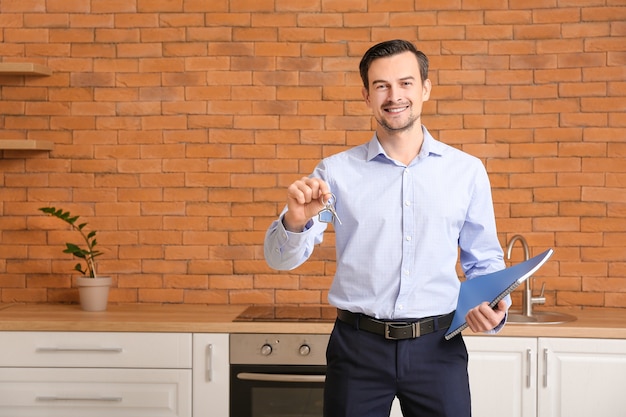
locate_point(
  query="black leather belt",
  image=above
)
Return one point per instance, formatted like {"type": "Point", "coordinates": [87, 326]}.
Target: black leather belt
{"type": "Point", "coordinates": [395, 330]}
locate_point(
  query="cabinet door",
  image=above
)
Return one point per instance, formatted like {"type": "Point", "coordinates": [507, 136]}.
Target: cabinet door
{"type": "Point", "coordinates": [582, 377]}
{"type": "Point", "coordinates": [76, 392]}
{"type": "Point", "coordinates": [95, 350]}
{"type": "Point", "coordinates": [211, 375]}
{"type": "Point", "coordinates": [503, 375]}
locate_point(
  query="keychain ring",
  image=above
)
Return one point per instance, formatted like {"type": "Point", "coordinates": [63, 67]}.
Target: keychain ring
{"type": "Point", "coordinates": [331, 200]}
{"type": "Point", "coordinates": [328, 213]}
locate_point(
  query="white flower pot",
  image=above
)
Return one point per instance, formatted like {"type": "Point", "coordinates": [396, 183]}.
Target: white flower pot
{"type": "Point", "coordinates": [93, 293]}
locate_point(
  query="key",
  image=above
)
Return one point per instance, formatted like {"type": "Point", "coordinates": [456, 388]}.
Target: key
{"type": "Point", "coordinates": [328, 213]}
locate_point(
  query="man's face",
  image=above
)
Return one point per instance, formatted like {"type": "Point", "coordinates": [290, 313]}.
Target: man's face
{"type": "Point", "coordinates": [396, 92]}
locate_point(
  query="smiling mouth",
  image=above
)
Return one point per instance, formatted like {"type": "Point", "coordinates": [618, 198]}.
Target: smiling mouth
{"type": "Point", "coordinates": [395, 109]}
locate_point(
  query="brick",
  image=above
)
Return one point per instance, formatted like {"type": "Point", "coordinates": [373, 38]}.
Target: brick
{"type": "Point", "coordinates": [371, 19]}
{"type": "Point", "coordinates": [206, 297]}
{"type": "Point", "coordinates": [506, 16]}
{"type": "Point", "coordinates": [143, 50]}
{"type": "Point", "coordinates": [610, 73]}
{"type": "Point", "coordinates": [617, 269]}
{"type": "Point", "coordinates": [512, 196]}
{"type": "Point", "coordinates": [162, 35]}
{"type": "Point", "coordinates": [269, 281]}
{"type": "Point", "coordinates": [159, 5]}
{"type": "Point", "coordinates": [41, 20]}
{"type": "Point", "coordinates": [616, 180]}
{"type": "Point", "coordinates": [91, 20]}
{"type": "Point", "coordinates": [111, 6]}
{"type": "Point", "coordinates": [605, 194]}
{"type": "Point", "coordinates": [585, 30]}
{"type": "Point", "coordinates": [612, 285]}
{"type": "Point", "coordinates": [25, 35]}
{"type": "Point", "coordinates": [603, 14]}
{"type": "Point", "coordinates": [160, 295]}
{"type": "Point", "coordinates": [615, 300]}
{"type": "Point", "coordinates": [344, 6]}
{"type": "Point", "coordinates": [29, 6]}
{"type": "Point", "coordinates": [72, 6]}
{"type": "Point", "coordinates": [299, 297]}
{"type": "Point", "coordinates": [537, 31]}
{"type": "Point", "coordinates": [534, 209]}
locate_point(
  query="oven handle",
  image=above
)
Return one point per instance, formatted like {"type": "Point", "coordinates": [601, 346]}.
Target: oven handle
{"type": "Point", "coordinates": [252, 376]}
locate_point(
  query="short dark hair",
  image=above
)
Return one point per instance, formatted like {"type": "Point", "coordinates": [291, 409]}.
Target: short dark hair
{"type": "Point", "coordinates": [389, 48]}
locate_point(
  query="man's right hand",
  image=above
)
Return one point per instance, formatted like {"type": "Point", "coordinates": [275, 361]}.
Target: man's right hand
{"type": "Point", "coordinates": [305, 198]}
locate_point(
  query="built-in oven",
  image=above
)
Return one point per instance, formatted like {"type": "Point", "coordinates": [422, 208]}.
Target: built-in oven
{"type": "Point", "coordinates": [277, 375]}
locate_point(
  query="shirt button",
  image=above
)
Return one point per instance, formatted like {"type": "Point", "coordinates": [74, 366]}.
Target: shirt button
{"type": "Point", "coordinates": [408, 238]}
{"type": "Point", "coordinates": [407, 203]}
{"type": "Point", "coordinates": [400, 307]}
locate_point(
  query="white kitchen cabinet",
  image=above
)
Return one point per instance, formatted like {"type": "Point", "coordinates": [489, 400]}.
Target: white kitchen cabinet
{"type": "Point", "coordinates": [582, 377]}
{"type": "Point", "coordinates": [547, 377]}
{"type": "Point", "coordinates": [80, 392]}
{"type": "Point", "coordinates": [95, 374]}
{"type": "Point", "coordinates": [95, 349]}
{"type": "Point", "coordinates": [211, 375]}
{"type": "Point", "coordinates": [503, 376]}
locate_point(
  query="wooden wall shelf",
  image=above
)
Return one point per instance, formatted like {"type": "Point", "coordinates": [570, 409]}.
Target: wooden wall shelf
{"type": "Point", "coordinates": [25, 145]}
{"type": "Point", "coordinates": [23, 68]}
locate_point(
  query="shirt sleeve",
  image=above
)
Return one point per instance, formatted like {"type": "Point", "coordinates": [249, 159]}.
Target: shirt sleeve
{"type": "Point", "coordinates": [481, 252]}
{"type": "Point", "coordinates": [285, 250]}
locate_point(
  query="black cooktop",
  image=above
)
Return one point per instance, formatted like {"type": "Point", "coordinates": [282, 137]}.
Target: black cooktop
{"type": "Point", "coordinates": [288, 313]}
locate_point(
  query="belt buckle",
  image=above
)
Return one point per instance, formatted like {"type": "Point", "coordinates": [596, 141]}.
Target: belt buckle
{"type": "Point", "coordinates": [389, 326]}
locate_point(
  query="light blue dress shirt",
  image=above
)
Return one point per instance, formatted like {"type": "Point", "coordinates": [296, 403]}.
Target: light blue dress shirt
{"type": "Point", "coordinates": [403, 230]}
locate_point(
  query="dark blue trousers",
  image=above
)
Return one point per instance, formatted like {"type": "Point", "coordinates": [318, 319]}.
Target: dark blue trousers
{"type": "Point", "coordinates": [365, 372]}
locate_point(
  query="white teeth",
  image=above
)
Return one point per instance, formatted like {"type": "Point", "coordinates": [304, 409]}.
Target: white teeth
{"type": "Point", "coordinates": [396, 110]}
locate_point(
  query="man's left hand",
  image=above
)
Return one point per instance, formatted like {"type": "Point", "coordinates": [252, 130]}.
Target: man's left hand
{"type": "Point", "coordinates": [483, 318]}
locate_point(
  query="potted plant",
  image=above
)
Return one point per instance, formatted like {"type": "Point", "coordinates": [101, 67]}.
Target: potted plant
{"type": "Point", "coordinates": [93, 289]}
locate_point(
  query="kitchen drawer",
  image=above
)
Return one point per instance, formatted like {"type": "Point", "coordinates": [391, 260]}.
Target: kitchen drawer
{"type": "Point", "coordinates": [53, 392]}
{"type": "Point", "coordinates": [95, 349]}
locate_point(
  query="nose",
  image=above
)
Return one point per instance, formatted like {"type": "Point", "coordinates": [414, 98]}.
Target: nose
{"type": "Point", "coordinates": [395, 94]}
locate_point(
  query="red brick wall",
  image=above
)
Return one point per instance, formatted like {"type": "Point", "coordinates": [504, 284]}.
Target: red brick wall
{"type": "Point", "coordinates": [178, 124]}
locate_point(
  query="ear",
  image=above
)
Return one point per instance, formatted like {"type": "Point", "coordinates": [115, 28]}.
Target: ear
{"type": "Point", "coordinates": [366, 95]}
{"type": "Point", "coordinates": [426, 87]}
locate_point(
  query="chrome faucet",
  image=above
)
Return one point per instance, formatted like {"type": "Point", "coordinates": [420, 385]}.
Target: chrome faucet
{"type": "Point", "coordinates": [527, 296]}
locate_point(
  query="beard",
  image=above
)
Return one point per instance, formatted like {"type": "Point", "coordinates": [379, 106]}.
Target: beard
{"type": "Point", "coordinates": [408, 125]}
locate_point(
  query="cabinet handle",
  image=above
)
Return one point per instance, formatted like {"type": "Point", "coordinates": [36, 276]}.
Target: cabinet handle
{"type": "Point", "coordinates": [70, 398]}
{"type": "Point", "coordinates": [79, 349]}
{"type": "Point", "coordinates": [545, 368]}
{"type": "Point", "coordinates": [209, 363]}
{"type": "Point", "coordinates": [529, 359]}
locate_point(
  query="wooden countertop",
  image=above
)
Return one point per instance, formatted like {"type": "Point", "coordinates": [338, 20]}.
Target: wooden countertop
{"type": "Point", "coordinates": [142, 318]}
{"type": "Point", "coordinates": [591, 323]}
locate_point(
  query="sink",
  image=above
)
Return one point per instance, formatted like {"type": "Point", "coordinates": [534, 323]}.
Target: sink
{"type": "Point", "coordinates": [539, 317]}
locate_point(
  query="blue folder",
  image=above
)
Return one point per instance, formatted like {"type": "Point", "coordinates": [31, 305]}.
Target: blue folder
{"type": "Point", "coordinates": [493, 288]}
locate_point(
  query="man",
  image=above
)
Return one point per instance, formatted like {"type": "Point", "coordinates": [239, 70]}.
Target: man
{"type": "Point", "coordinates": [404, 207]}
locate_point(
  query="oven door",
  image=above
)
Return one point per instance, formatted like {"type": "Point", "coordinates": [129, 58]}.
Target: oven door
{"type": "Point", "coordinates": [276, 390]}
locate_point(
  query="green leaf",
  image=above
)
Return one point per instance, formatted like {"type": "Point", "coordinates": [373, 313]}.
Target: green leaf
{"type": "Point", "coordinates": [78, 268]}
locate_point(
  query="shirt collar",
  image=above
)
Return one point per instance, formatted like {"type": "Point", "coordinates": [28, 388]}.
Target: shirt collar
{"type": "Point", "coordinates": [430, 146]}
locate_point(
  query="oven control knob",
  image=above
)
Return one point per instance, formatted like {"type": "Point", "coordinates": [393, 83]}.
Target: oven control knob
{"type": "Point", "coordinates": [266, 349]}
{"type": "Point", "coordinates": [305, 350]}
